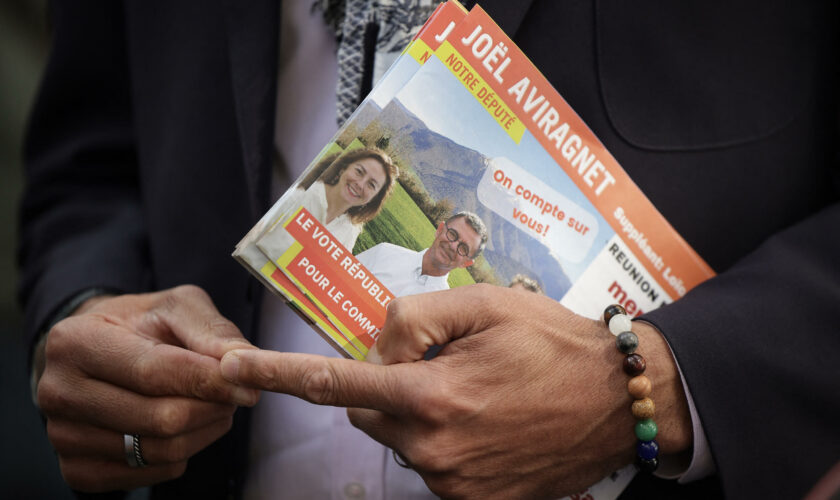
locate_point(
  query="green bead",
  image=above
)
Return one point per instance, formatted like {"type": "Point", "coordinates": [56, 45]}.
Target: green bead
{"type": "Point", "coordinates": [646, 429]}
{"type": "Point", "coordinates": [627, 342]}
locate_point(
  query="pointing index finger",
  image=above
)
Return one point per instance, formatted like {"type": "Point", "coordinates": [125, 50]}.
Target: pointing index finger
{"type": "Point", "coordinates": [326, 381]}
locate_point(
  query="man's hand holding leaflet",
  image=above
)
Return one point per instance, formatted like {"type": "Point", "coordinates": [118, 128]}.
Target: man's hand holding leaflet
{"type": "Point", "coordinates": [528, 399]}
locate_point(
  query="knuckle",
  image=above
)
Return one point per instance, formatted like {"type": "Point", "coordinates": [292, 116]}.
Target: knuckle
{"type": "Point", "coordinates": [483, 297]}
{"type": "Point", "coordinates": [396, 314]}
{"type": "Point", "coordinates": [168, 420]}
{"type": "Point", "coordinates": [448, 401]}
{"type": "Point", "coordinates": [438, 408]}
{"type": "Point", "coordinates": [401, 326]}
{"type": "Point", "coordinates": [427, 408]}
{"type": "Point", "coordinates": [141, 370]}
{"type": "Point", "coordinates": [202, 386]}
{"type": "Point", "coordinates": [167, 301]}
{"type": "Point", "coordinates": [190, 292]}
{"type": "Point", "coordinates": [260, 374]}
{"type": "Point", "coordinates": [44, 395]}
{"type": "Point", "coordinates": [224, 328]}
{"type": "Point", "coordinates": [222, 325]}
{"type": "Point", "coordinates": [319, 383]}
{"type": "Point", "coordinates": [173, 298]}
{"type": "Point", "coordinates": [49, 395]}
{"type": "Point", "coordinates": [393, 310]}
{"type": "Point", "coordinates": [60, 338]}
{"type": "Point", "coordinates": [425, 456]}
{"type": "Point", "coordinates": [153, 318]}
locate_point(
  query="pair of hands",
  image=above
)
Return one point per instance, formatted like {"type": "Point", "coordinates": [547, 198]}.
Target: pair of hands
{"type": "Point", "coordinates": [528, 400]}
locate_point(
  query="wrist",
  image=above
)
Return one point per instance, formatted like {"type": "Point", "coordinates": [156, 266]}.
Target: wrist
{"type": "Point", "coordinates": [89, 304]}
{"type": "Point", "coordinates": [673, 418]}
{"type": "Point", "coordinates": [78, 304]}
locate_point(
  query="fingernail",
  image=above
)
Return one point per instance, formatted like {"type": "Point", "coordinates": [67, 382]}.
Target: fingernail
{"type": "Point", "coordinates": [230, 366]}
{"type": "Point", "coordinates": [241, 344]}
{"type": "Point", "coordinates": [374, 356]}
{"type": "Point", "coordinates": [244, 397]}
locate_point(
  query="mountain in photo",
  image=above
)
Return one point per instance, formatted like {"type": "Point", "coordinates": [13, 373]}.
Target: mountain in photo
{"type": "Point", "coordinates": [450, 170]}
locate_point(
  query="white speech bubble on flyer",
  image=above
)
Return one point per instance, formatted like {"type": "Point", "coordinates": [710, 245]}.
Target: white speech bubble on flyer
{"type": "Point", "coordinates": [567, 229]}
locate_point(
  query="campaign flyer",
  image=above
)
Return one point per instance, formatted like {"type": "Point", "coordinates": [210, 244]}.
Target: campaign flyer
{"type": "Point", "coordinates": [441, 22]}
{"type": "Point", "coordinates": [481, 152]}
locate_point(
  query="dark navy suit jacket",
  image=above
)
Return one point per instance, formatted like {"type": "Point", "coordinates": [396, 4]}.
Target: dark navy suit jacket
{"type": "Point", "coordinates": [149, 153]}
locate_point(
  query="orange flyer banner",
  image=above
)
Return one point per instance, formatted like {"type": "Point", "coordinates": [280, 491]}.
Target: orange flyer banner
{"type": "Point", "coordinates": [487, 54]}
{"type": "Point", "coordinates": [442, 22]}
{"type": "Point", "coordinates": [445, 17]}
{"type": "Point", "coordinates": [321, 283]}
{"type": "Point", "coordinates": [312, 313]}
{"type": "Point", "coordinates": [333, 277]}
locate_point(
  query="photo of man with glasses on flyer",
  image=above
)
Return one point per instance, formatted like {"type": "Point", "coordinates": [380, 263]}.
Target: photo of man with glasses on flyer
{"type": "Point", "coordinates": [458, 241]}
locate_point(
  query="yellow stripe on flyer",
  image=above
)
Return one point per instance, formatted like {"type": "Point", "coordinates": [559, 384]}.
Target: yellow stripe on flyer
{"type": "Point", "coordinates": [268, 271]}
{"type": "Point", "coordinates": [481, 90]}
{"type": "Point", "coordinates": [283, 263]}
{"type": "Point", "coordinates": [419, 51]}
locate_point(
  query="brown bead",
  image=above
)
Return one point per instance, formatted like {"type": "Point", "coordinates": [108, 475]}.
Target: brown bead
{"type": "Point", "coordinates": [639, 387]}
{"type": "Point", "coordinates": [643, 408]}
{"type": "Point", "coordinates": [611, 311]}
{"type": "Point", "coordinates": [634, 364]}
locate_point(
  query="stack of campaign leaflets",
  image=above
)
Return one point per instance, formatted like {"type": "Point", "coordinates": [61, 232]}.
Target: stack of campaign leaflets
{"type": "Point", "coordinates": [464, 165]}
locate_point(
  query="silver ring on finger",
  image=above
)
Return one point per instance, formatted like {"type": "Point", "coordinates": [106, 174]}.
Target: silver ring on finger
{"type": "Point", "coordinates": [131, 448]}
{"type": "Point", "coordinates": [400, 460]}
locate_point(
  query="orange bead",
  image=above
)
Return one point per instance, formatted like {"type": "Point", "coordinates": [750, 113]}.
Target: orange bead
{"type": "Point", "coordinates": [643, 408]}
{"type": "Point", "coordinates": [639, 387]}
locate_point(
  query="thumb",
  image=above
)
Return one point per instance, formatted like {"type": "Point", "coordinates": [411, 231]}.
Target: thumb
{"type": "Point", "coordinates": [415, 323]}
{"type": "Point", "coordinates": [193, 319]}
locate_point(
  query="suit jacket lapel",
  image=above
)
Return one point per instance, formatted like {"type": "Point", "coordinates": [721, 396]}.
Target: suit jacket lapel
{"type": "Point", "coordinates": [253, 37]}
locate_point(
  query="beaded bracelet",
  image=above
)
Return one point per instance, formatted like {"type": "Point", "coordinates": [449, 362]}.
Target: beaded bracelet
{"type": "Point", "coordinates": [639, 386]}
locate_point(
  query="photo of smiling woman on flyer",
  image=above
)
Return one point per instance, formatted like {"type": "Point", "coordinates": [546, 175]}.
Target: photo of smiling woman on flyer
{"type": "Point", "coordinates": [342, 192]}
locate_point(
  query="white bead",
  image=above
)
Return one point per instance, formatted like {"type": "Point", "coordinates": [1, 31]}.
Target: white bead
{"type": "Point", "coordinates": [620, 323]}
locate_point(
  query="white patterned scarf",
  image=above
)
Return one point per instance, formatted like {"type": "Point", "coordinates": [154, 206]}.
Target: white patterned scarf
{"type": "Point", "coordinates": [370, 35]}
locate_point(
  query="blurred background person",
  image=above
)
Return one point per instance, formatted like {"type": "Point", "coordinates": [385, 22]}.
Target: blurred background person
{"type": "Point", "coordinates": [522, 282]}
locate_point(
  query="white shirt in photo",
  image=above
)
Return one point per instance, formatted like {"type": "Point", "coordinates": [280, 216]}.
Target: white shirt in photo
{"type": "Point", "coordinates": [400, 269]}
